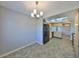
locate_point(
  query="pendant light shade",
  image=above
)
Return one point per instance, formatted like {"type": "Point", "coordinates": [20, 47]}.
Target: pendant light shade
{"type": "Point", "coordinates": [41, 13]}
{"type": "Point", "coordinates": [35, 11]}
{"type": "Point", "coordinates": [37, 15]}
{"type": "Point", "coordinates": [32, 14]}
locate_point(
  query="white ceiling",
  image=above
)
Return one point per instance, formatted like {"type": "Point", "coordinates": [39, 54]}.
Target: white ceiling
{"type": "Point", "coordinates": [50, 8]}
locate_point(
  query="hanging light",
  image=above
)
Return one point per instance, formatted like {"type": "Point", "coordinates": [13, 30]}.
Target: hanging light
{"type": "Point", "coordinates": [41, 13]}
{"type": "Point", "coordinates": [32, 14]}
{"type": "Point", "coordinates": [36, 13]}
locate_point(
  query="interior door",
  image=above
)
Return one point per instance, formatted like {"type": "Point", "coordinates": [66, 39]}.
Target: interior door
{"type": "Point", "coordinates": [45, 33]}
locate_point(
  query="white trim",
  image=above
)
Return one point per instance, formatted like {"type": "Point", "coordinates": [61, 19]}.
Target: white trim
{"type": "Point", "coordinates": [39, 43]}
{"type": "Point", "coordinates": [16, 49]}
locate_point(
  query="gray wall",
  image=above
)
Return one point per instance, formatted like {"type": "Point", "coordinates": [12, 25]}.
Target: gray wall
{"type": "Point", "coordinates": [39, 31]}
{"type": "Point", "coordinates": [16, 30]}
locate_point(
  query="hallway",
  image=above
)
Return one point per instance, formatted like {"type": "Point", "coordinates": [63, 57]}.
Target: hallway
{"type": "Point", "coordinates": [55, 48]}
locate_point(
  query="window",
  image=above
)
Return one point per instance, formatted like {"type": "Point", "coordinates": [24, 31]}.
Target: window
{"type": "Point", "coordinates": [58, 19]}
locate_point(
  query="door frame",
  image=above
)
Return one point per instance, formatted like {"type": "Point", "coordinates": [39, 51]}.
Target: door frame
{"type": "Point", "coordinates": [76, 36]}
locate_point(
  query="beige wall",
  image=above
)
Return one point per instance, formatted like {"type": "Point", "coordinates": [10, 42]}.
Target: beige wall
{"type": "Point", "coordinates": [16, 30]}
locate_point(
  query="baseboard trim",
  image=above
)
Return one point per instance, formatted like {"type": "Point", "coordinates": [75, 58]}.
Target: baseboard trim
{"type": "Point", "coordinates": [39, 43]}
{"type": "Point", "coordinates": [5, 54]}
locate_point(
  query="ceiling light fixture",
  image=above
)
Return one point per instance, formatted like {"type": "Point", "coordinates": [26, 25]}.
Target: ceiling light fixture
{"type": "Point", "coordinates": [36, 13]}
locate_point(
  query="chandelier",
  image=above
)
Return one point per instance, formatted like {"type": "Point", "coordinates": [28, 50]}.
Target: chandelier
{"type": "Point", "coordinates": [36, 13]}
